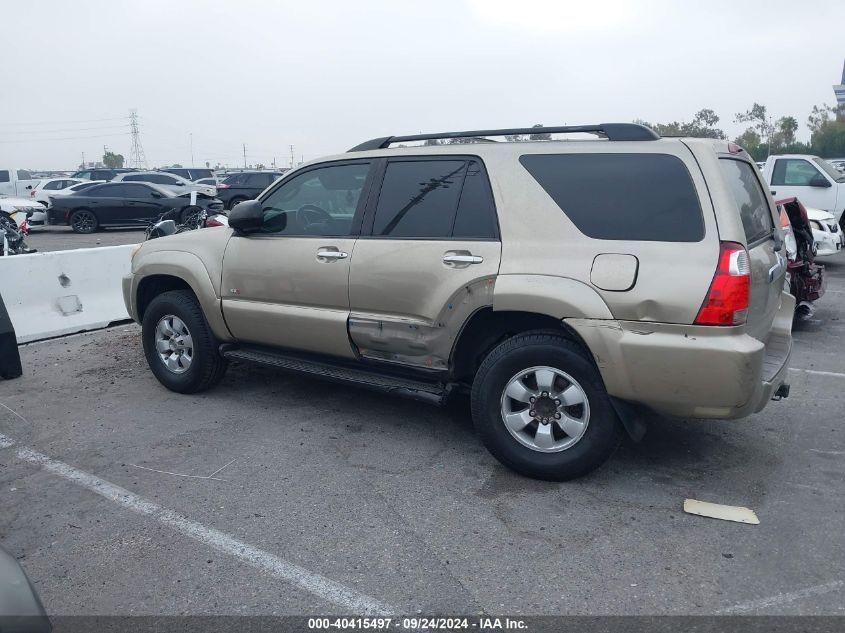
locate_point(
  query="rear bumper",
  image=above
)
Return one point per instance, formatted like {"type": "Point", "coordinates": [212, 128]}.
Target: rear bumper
{"type": "Point", "coordinates": [691, 371]}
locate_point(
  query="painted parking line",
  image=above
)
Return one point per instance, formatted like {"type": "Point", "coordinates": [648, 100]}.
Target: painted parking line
{"type": "Point", "coordinates": [315, 584]}
{"type": "Point", "coordinates": [781, 598]}
{"type": "Point", "coordinates": [816, 372]}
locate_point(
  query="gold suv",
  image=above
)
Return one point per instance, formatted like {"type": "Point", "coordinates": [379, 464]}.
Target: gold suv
{"type": "Point", "coordinates": [569, 286]}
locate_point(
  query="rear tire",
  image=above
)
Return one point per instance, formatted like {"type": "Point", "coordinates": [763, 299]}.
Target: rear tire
{"type": "Point", "coordinates": [83, 221]}
{"type": "Point", "coordinates": [560, 441]}
{"type": "Point", "coordinates": [186, 361]}
{"type": "Point", "coordinates": [235, 201]}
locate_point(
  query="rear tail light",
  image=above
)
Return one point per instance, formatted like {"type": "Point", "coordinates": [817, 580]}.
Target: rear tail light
{"type": "Point", "coordinates": [222, 186]}
{"type": "Point", "coordinates": [727, 299]}
{"type": "Point", "coordinates": [32, 193]}
{"type": "Point", "coordinates": [212, 221]}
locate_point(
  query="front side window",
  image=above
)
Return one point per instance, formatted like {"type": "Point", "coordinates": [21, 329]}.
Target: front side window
{"type": "Point", "coordinates": [643, 197]}
{"type": "Point", "coordinates": [320, 201]}
{"type": "Point", "coordinates": [4, 175]}
{"type": "Point", "coordinates": [794, 172]}
{"type": "Point", "coordinates": [750, 199]}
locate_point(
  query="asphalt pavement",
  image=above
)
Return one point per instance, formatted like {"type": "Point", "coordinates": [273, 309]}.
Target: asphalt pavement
{"type": "Point", "coordinates": [62, 238]}
{"type": "Point", "coordinates": [276, 494]}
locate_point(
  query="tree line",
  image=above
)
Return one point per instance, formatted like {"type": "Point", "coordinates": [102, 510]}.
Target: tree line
{"type": "Point", "coordinates": [765, 136]}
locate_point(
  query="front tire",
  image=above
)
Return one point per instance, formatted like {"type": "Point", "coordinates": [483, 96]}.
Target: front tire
{"type": "Point", "coordinates": [541, 408]}
{"type": "Point", "coordinates": [179, 345]}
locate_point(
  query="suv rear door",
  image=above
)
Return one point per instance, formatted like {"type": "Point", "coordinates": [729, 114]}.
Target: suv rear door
{"type": "Point", "coordinates": [426, 259]}
{"type": "Point", "coordinates": [768, 265]}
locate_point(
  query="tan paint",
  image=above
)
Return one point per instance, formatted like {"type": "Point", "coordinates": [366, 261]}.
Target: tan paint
{"type": "Point", "coordinates": [556, 297]}
{"type": "Point", "coordinates": [277, 291]}
{"type": "Point", "coordinates": [185, 266]}
{"type": "Point", "coordinates": [614, 271]}
{"type": "Point", "coordinates": [408, 305]}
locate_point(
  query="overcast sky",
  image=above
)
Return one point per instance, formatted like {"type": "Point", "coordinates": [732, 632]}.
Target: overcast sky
{"type": "Point", "coordinates": [325, 75]}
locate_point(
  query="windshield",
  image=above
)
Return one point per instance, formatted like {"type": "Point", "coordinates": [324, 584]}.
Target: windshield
{"type": "Point", "coordinates": [829, 169]}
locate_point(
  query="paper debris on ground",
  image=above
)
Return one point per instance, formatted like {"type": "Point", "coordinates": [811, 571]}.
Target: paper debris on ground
{"type": "Point", "coordinates": [719, 511]}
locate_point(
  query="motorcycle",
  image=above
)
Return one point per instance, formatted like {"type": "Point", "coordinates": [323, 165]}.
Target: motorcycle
{"type": "Point", "coordinates": [168, 222]}
{"type": "Point", "coordinates": [12, 236]}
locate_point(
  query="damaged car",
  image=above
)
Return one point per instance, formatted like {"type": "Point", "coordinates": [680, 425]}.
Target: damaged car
{"type": "Point", "coordinates": [126, 204]}
{"type": "Point", "coordinates": [804, 278]}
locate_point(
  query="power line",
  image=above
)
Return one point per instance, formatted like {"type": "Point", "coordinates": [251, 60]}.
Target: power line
{"type": "Point", "coordinates": [80, 129]}
{"type": "Point", "coordinates": [121, 118]}
{"type": "Point", "coordinates": [65, 138]}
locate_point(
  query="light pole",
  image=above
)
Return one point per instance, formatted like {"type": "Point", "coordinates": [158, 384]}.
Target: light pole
{"type": "Point", "coordinates": [191, 137]}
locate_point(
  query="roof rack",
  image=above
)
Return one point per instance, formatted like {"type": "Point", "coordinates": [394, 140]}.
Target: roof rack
{"type": "Point", "coordinates": [611, 131]}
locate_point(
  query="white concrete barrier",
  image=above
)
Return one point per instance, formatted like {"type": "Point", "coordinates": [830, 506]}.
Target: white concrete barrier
{"type": "Point", "coordinates": [62, 292]}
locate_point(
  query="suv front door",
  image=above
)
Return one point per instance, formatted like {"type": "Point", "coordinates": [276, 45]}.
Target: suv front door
{"type": "Point", "coordinates": [426, 260]}
{"type": "Point", "coordinates": [288, 284]}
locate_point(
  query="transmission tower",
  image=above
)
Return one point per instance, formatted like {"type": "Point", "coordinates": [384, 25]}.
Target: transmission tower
{"type": "Point", "coordinates": [137, 158]}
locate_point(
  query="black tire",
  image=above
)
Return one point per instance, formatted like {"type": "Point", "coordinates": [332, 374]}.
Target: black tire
{"type": "Point", "coordinates": [83, 221]}
{"type": "Point", "coordinates": [207, 367]}
{"type": "Point", "coordinates": [185, 216]}
{"type": "Point", "coordinates": [533, 349]}
{"type": "Point", "coordinates": [235, 201]}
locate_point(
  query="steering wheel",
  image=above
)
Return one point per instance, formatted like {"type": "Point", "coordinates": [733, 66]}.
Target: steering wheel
{"type": "Point", "coordinates": [311, 214]}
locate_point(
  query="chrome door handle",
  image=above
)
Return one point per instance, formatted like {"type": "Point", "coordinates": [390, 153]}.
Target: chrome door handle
{"type": "Point", "coordinates": [331, 255]}
{"type": "Point", "coordinates": [462, 259]}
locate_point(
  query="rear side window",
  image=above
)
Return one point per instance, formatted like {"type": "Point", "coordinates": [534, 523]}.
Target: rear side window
{"type": "Point", "coordinates": [645, 197]}
{"type": "Point", "coordinates": [750, 200]}
{"type": "Point", "coordinates": [435, 199]}
{"type": "Point", "coordinates": [262, 181]}
{"type": "Point", "coordinates": [23, 174]}
{"type": "Point", "coordinates": [135, 191]}
{"type": "Point", "coordinates": [236, 179]}
{"type": "Point", "coordinates": [103, 191]}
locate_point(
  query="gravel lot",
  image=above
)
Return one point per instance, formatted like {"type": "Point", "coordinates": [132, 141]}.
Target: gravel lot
{"type": "Point", "coordinates": [401, 503]}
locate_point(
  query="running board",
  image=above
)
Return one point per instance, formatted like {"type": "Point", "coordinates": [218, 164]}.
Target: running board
{"type": "Point", "coordinates": [432, 392]}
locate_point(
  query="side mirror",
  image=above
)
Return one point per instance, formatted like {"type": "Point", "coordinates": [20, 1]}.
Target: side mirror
{"type": "Point", "coordinates": [155, 194]}
{"type": "Point", "coordinates": [819, 181]}
{"type": "Point", "coordinates": [247, 217]}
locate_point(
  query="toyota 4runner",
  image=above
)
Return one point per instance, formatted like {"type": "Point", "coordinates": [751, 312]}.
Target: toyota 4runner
{"type": "Point", "coordinates": [569, 286]}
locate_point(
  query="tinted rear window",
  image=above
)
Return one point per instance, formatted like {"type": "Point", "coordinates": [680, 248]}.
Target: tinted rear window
{"type": "Point", "coordinates": [647, 197]}
{"type": "Point", "coordinates": [750, 199]}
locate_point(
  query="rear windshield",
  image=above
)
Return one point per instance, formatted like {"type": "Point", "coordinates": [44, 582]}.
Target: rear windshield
{"type": "Point", "coordinates": [645, 197]}
{"type": "Point", "coordinates": [750, 199]}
